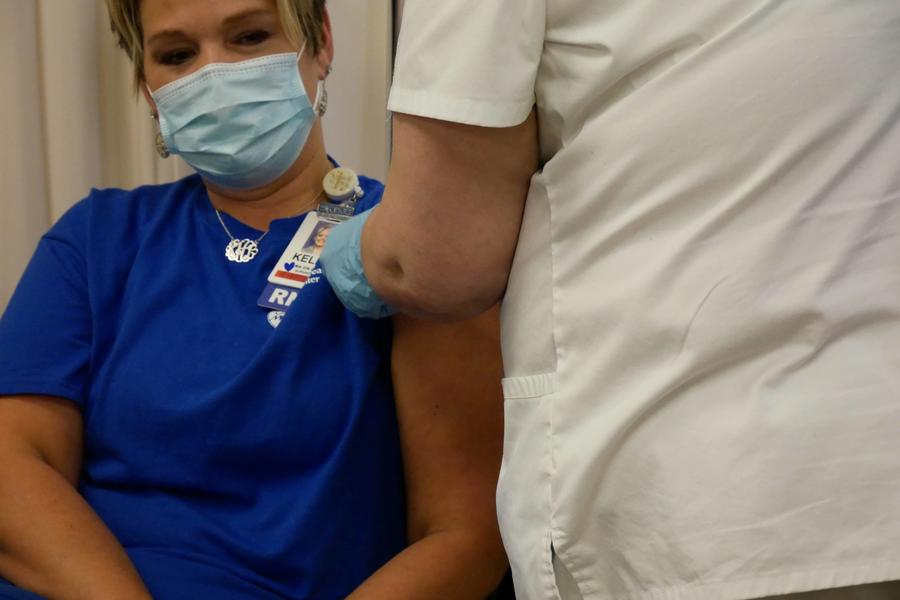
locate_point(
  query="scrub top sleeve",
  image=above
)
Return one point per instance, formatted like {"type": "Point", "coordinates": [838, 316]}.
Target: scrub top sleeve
{"type": "Point", "coordinates": [45, 333]}
{"type": "Point", "coordinates": [373, 192]}
{"type": "Point", "coordinates": [473, 62]}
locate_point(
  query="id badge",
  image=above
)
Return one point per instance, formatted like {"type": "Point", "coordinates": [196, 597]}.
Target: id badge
{"type": "Point", "coordinates": [302, 253]}
{"type": "Point", "coordinates": [298, 261]}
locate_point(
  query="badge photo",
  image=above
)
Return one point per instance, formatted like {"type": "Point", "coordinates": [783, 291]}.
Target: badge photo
{"type": "Point", "coordinates": [296, 263]}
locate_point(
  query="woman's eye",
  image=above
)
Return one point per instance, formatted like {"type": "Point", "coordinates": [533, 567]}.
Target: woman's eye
{"type": "Point", "coordinates": [252, 38]}
{"type": "Point", "coordinates": [176, 57]}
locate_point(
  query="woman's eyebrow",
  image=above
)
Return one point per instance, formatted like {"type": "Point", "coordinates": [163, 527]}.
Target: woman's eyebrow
{"type": "Point", "coordinates": [231, 21]}
{"type": "Point", "coordinates": [166, 34]}
{"type": "Point", "coordinates": [237, 18]}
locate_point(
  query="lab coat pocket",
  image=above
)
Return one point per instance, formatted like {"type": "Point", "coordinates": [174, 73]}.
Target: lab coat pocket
{"type": "Point", "coordinates": [523, 492]}
{"type": "Point", "coordinates": [528, 315]}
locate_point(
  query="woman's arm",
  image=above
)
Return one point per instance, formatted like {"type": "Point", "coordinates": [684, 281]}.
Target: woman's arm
{"type": "Point", "coordinates": [51, 541]}
{"type": "Point", "coordinates": [450, 410]}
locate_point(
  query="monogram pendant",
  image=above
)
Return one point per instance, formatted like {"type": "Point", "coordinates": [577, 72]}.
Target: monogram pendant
{"type": "Point", "coordinates": [241, 251]}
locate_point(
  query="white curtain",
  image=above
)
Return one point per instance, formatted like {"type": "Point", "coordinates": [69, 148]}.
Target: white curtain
{"type": "Point", "coordinates": [71, 121]}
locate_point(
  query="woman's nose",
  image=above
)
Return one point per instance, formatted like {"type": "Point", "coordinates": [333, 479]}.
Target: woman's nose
{"type": "Point", "coordinates": [215, 53]}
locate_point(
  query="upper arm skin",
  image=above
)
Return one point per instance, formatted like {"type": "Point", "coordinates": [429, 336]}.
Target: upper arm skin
{"type": "Point", "coordinates": [441, 243]}
{"type": "Point", "coordinates": [450, 410]}
{"type": "Point", "coordinates": [47, 426]}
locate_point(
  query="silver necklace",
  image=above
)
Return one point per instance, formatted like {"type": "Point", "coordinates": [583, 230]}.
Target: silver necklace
{"type": "Point", "coordinates": [240, 251]}
{"type": "Point", "coordinates": [245, 250]}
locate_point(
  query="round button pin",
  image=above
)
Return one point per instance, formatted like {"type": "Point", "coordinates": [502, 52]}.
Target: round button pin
{"type": "Point", "coordinates": [340, 184]}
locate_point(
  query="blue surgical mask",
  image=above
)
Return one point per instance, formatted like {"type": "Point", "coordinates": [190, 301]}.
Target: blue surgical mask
{"type": "Point", "coordinates": [240, 125]}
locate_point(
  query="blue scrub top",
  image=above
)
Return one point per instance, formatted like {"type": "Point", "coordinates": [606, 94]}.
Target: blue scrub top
{"type": "Point", "coordinates": [232, 459]}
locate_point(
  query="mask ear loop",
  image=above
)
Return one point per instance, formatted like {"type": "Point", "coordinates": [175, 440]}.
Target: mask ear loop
{"type": "Point", "coordinates": [300, 54]}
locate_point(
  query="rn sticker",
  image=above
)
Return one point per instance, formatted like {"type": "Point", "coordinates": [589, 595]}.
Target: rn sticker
{"type": "Point", "coordinates": [277, 297]}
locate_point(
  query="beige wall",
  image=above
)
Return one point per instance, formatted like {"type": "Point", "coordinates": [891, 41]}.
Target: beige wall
{"type": "Point", "coordinates": [70, 121]}
{"type": "Point", "coordinates": [356, 126]}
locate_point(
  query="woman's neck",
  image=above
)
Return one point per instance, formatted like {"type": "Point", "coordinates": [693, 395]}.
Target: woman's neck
{"type": "Point", "coordinates": [295, 192]}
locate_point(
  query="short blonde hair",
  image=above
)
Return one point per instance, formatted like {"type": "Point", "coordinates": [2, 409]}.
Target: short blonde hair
{"type": "Point", "coordinates": [302, 20]}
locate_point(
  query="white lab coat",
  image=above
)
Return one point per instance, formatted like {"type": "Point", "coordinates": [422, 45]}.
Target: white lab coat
{"type": "Point", "coordinates": [701, 332]}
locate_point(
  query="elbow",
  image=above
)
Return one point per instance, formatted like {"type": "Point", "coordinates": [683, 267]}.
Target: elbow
{"type": "Point", "coordinates": [477, 551]}
{"type": "Point", "coordinates": [445, 294]}
{"type": "Point", "coordinates": [493, 559]}
{"type": "Point", "coordinates": [487, 552]}
{"type": "Point", "coordinates": [431, 275]}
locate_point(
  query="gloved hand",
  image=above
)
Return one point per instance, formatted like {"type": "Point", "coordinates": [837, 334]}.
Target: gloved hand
{"type": "Point", "coordinates": [341, 263]}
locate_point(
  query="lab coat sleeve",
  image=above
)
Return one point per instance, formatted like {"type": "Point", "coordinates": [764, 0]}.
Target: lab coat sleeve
{"type": "Point", "coordinates": [469, 61]}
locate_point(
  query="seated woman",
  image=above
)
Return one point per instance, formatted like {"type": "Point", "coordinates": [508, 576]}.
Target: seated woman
{"type": "Point", "coordinates": [168, 430]}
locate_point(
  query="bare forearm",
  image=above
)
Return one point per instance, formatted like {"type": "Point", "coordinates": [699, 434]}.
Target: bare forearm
{"type": "Point", "coordinates": [52, 542]}
{"type": "Point", "coordinates": [447, 565]}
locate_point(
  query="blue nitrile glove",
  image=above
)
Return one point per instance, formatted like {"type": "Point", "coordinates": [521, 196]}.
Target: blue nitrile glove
{"type": "Point", "coordinates": [341, 262]}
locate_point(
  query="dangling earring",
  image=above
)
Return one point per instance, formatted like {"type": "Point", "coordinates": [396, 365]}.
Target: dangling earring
{"type": "Point", "coordinates": [161, 147]}
{"type": "Point", "coordinates": [322, 95]}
